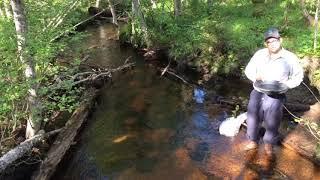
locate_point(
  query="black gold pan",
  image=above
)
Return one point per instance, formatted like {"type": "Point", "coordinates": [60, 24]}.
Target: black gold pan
{"type": "Point", "coordinates": [271, 87]}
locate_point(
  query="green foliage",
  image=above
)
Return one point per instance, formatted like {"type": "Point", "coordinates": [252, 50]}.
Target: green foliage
{"type": "Point", "coordinates": [58, 92]}
{"type": "Point", "coordinates": [66, 98]}
{"type": "Point", "coordinates": [228, 33]}
{"type": "Point", "coordinates": [46, 20]}
{"type": "Point", "coordinates": [11, 87]}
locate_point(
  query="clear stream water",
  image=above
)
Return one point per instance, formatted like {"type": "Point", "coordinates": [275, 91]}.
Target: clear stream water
{"type": "Point", "coordinates": [149, 127]}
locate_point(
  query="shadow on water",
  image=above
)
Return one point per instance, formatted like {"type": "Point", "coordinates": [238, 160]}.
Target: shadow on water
{"type": "Point", "coordinates": [148, 127]}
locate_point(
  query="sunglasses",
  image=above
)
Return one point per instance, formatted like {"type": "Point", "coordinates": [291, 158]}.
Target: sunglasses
{"type": "Point", "coordinates": [272, 41]}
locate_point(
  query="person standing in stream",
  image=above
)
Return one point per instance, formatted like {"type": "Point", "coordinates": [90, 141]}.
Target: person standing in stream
{"type": "Point", "coordinates": [273, 63]}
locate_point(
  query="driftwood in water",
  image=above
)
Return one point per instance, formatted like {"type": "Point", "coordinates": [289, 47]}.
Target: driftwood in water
{"type": "Point", "coordinates": [65, 138]}
{"type": "Point", "coordinates": [175, 75]}
{"type": "Point", "coordinates": [91, 75]}
{"type": "Point", "coordinates": [97, 75]}
{"type": "Point", "coordinates": [21, 149]}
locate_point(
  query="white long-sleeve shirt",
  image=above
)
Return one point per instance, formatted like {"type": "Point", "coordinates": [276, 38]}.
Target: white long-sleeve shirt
{"type": "Point", "coordinates": [283, 67]}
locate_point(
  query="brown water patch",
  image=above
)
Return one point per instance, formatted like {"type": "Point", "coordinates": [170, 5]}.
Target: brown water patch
{"type": "Point", "coordinates": [138, 103]}
{"type": "Point", "coordinates": [173, 167]}
{"type": "Point", "coordinates": [130, 121]}
{"type": "Point", "coordinates": [135, 83]}
{"type": "Point", "coordinates": [235, 163]}
{"type": "Point", "coordinates": [295, 166]}
{"type": "Point", "coordinates": [161, 135]}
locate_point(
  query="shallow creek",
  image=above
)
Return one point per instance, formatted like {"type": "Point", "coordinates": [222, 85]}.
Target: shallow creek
{"type": "Point", "coordinates": [149, 127]}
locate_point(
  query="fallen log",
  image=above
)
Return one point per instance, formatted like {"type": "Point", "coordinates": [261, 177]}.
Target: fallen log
{"type": "Point", "coordinates": [23, 148]}
{"type": "Point", "coordinates": [65, 138]}
{"type": "Point", "coordinates": [69, 132]}
{"type": "Point", "coordinates": [93, 77]}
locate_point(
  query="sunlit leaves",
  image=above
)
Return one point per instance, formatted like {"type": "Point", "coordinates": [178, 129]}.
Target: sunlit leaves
{"type": "Point", "coordinates": [232, 29]}
{"type": "Point", "coordinates": [13, 85]}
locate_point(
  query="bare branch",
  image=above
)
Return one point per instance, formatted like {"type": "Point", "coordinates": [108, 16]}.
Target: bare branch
{"type": "Point", "coordinates": [166, 68]}
{"type": "Point", "coordinates": [75, 26]}
{"type": "Point", "coordinates": [183, 80]}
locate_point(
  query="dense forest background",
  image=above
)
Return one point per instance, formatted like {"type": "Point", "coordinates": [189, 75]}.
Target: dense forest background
{"type": "Point", "coordinates": [215, 37]}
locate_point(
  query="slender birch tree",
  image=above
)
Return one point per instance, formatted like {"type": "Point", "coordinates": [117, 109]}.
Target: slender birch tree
{"type": "Point", "coordinates": [98, 3]}
{"type": "Point", "coordinates": [209, 3]}
{"type": "Point", "coordinates": [316, 26]}
{"type": "Point", "coordinates": [113, 12]}
{"type": "Point", "coordinates": [154, 4]}
{"type": "Point", "coordinates": [306, 14]}
{"type": "Point", "coordinates": [177, 8]}
{"type": "Point", "coordinates": [2, 13]}
{"type": "Point", "coordinates": [20, 21]}
{"type": "Point", "coordinates": [7, 8]}
{"type": "Point", "coordinates": [137, 14]}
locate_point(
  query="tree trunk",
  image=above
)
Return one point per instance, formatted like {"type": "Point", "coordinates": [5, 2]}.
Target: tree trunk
{"type": "Point", "coordinates": [177, 8]}
{"type": "Point", "coordinates": [154, 4]}
{"type": "Point", "coordinates": [307, 16]}
{"type": "Point", "coordinates": [139, 16]}
{"type": "Point", "coordinates": [209, 3]}
{"type": "Point", "coordinates": [19, 151]}
{"type": "Point", "coordinates": [2, 12]}
{"type": "Point", "coordinates": [133, 29]}
{"type": "Point", "coordinates": [65, 138]}
{"type": "Point", "coordinates": [285, 15]}
{"type": "Point", "coordinates": [113, 12]}
{"type": "Point", "coordinates": [7, 8]}
{"type": "Point", "coordinates": [34, 120]}
{"type": "Point", "coordinates": [316, 20]}
{"type": "Point", "coordinates": [257, 1]}
{"type": "Point", "coordinates": [98, 3]}
{"type": "Point", "coordinates": [60, 18]}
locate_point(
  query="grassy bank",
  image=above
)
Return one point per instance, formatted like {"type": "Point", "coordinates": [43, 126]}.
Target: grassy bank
{"type": "Point", "coordinates": [225, 35]}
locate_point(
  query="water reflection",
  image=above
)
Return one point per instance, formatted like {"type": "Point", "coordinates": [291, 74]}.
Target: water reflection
{"type": "Point", "coordinates": [201, 125]}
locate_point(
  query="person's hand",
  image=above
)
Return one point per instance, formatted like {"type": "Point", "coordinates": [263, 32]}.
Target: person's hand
{"type": "Point", "coordinates": [286, 83]}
